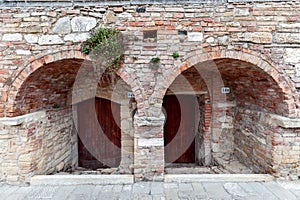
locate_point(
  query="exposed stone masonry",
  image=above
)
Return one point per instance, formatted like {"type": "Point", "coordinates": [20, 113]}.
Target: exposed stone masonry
{"type": "Point", "coordinates": [24, 141]}
{"type": "Point", "coordinates": [253, 48]}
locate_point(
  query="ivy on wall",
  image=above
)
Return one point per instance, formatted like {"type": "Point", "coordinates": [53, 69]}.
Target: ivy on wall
{"type": "Point", "coordinates": [105, 46]}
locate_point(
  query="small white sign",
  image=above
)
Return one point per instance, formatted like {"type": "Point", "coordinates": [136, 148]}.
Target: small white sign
{"type": "Point", "coordinates": [225, 90]}
{"type": "Point", "coordinates": [130, 95]}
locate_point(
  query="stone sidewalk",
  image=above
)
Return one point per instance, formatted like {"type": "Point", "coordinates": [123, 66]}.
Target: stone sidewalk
{"type": "Point", "coordinates": [158, 190]}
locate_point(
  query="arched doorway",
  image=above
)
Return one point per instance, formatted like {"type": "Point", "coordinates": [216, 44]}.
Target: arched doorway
{"type": "Point", "coordinates": [235, 138]}
{"type": "Point", "coordinates": [43, 98]}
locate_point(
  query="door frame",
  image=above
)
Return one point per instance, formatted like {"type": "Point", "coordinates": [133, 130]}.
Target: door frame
{"type": "Point", "coordinates": [196, 123]}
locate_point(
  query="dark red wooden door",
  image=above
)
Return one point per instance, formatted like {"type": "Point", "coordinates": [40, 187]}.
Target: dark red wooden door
{"type": "Point", "coordinates": [179, 129]}
{"type": "Point", "coordinates": [99, 134]}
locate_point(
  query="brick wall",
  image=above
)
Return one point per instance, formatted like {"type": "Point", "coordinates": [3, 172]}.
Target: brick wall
{"type": "Point", "coordinates": [266, 143]}
{"type": "Point", "coordinates": [253, 48]}
{"type": "Point", "coordinates": [37, 143]}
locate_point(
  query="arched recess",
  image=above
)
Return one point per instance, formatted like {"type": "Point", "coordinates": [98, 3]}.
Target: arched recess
{"type": "Point", "coordinates": [33, 64]}
{"type": "Point", "coordinates": [41, 95]}
{"type": "Point", "coordinates": [284, 83]}
{"type": "Point", "coordinates": [238, 131]}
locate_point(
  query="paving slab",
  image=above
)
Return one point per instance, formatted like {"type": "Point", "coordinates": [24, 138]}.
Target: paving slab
{"type": "Point", "coordinates": [82, 192]}
{"type": "Point", "coordinates": [42, 192]}
{"type": "Point", "coordinates": [296, 193]}
{"type": "Point", "coordinates": [235, 190]}
{"type": "Point", "coordinates": [216, 191]}
{"type": "Point", "coordinates": [262, 191]}
{"type": "Point", "coordinates": [198, 187]}
{"type": "Point", "coordinates": [141, 188]}
{"type": "Point", "coordinates": [280, 192]}
{"type": "Point", "coordinates": [117, 188]}
{"type": "Point", "coordinates": [185, 187]}
{"type": "Point", "coordinates": [157, 188]}
{"type": "Point", "coordinates": [63, 192]}
{"type": "Point", "coordinates": [20, 194]}
{"type": "Point", "coordinates": [7, 190]}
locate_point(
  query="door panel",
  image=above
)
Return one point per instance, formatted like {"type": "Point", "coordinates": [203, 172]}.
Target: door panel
{"type": "Point", "coordinates": [179, 129]}
{"type": "Point", "coordinates": [99, 134]}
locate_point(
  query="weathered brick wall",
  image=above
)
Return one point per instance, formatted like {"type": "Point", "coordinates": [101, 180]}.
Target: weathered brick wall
{"type": "Point", "coordinates": [203, 137]}
{"type": "Point", "coordinates": [262, 30]}
{"type": "Point", "coordinates": [267, 143]}
{"type": "Point", "coordinates": [43, 142]}
{"type": "Point", "coordinates": [254, 48]}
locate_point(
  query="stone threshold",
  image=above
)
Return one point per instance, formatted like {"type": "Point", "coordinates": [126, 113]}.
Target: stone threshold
{"type": "Point", "coordinates": [129, 179]}
{"type": "Point", "coordinates": [81, 179]}
{"type": "Point", "coordinates": [192, 178]}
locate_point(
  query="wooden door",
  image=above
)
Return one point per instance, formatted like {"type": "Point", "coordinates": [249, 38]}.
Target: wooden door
{"type": "Point", "coordinates": [179, 129]}
{"type": "Point", "coordinates": [99, 134]}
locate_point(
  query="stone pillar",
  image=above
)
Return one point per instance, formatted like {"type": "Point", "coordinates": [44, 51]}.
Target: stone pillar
{"type": "Point", "coordinates": [126, 138]}
{"type": "Point", "coordinates": [149, 149]}
{"type": "Point", "coordinates": [204, 137]}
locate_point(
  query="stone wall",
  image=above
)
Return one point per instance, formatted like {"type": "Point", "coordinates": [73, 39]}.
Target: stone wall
{"type": "Point", "coordinates": [253, 48]}
{"type": "Point", "coordinates": [260, 30]}
{"type": "Point", "coordinates": [267, 143]}
{"type": "Point", "coordinates": [203, 138]}
{"type": "Point", "coordinates": [43, 142]}
{"type": "Point", "coordinates": [149, 149]}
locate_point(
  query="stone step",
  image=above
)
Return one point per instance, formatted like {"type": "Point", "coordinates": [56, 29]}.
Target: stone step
{"type": "Point", "coordinates": [81, 179]}
{"type": "Point", "coordinates": [188, 178]}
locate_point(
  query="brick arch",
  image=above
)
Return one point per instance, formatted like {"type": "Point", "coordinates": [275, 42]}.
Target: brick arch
{"type": "Point", "coordinates": [283, 82]}
{"type": "Point", "coordinates": [37, 62]}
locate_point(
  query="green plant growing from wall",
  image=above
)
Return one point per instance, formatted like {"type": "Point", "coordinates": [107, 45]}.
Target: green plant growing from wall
{"type": "Point", "coordinates": [175, 55]}
{"type": "Point", "coordinates": [55, 106]}
{"type": "Point", "coordinates": [155, 60]}
{"type": "Point", "coordinates": [105, 47]}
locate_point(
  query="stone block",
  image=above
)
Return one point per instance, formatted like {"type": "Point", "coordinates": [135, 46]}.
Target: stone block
{"type": "Point", "coordinates": [174, 9]}
{"type": "Point", "coordinates": [151, 142]}
{"type": "Point", "coordinates": [241, 12]}
{"type": "Point", "coordinates": [13, 37]}
{"type": "Point", "coordinates": [31, 38]}
{"type": "Point", "coordinates": [62, 26]}
{"type": "Point", "coordinates": [223, 40]}
{"type": "Point", "coordinates": [109, 17]}
{"type": "Point", "coordinates": [290, 26]}
{"type": "Point", "coordinates": [255, 37]}
{"type": "Point", "coordinates": [287, 38]}
{"type": "Point", "coordinates": [21, 15]}
{"type": "Point", "coordinates": [150, 121]}
{"type": "Point", "coordinates": [50, 40]}
{"type": "Point", "coordinates": [12, 121]}
{"type": "Point", "coordinates": [76, 37]}
{"type": "Point", "coordinates": [11, 179]}
{"type": "Point", "coordinates": [60, 166]}
{"type": "Point", "coordinates": [23, 52]}
{"type": "Point", "coordinates": [195, 178]}
{"type": "Point", "coordinates": [81, 180]}
{"type": "Point", "coordinates": [292, 55]}
{"type": "Point", "coordinates": [195, 36]}
{"type": "Point", "coordinates": [83, 24]}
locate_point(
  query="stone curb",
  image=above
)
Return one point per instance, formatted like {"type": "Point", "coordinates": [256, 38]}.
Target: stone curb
{"type": "Point", "coordinates": [189, 178]}
{"type": "Point", "coordinates": [81, 179]}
